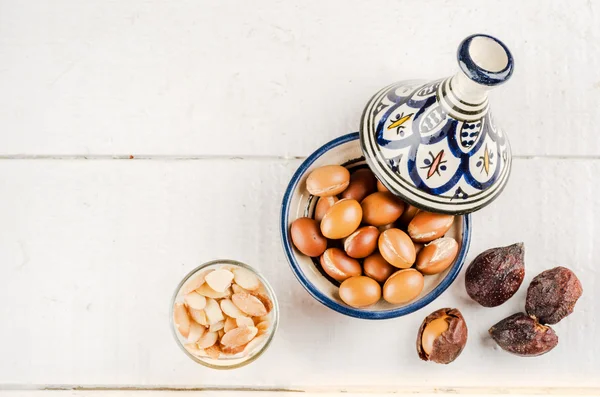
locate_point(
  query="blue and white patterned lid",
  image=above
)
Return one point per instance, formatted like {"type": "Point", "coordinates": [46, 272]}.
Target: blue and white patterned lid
{"type": "Point", "coordinates": [436, 144]}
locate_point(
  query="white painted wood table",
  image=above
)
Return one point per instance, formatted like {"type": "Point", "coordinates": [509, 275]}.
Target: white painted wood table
{"type": "Point", "coordinates": [140, 138]}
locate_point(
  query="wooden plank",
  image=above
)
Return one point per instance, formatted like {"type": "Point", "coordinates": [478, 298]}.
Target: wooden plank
{"type": "Point", "coordinates": [92, 250]}
{"type": "Point", "coordinates": [272, 78]}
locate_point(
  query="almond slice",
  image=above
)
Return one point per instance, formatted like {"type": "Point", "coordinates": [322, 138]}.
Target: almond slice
{"type": "Point", "coordinates": [263, 327]}
{"type": "Point", "coordinates": [219, 280]}
{"type": "Point", "coordinates": [196, 332]}
{"type": "Point", "coordinates": [213, 351]}
{"type": "Point", "coordinates": [194, 282]}
{"type": "Point", "coordinates": [239, 336]}
{"type": "Point", "coordinates": [232, 350]}
{"type": "Point", "coordinates": [181, 319]}
{"type": "Point", "coordinates": [249, 304]}
{"type": "Point", "coordinates": [208, 292]}
{"type": "Point", "coordinates": [213, 312]}
{"type": "Point", "coordinates": [207, 340]}
{"type": "Point", "coordinates": [265, 300]}
{"type": "Point", "coordinates": [195, 301]}
{"type": "Point", "coordinates": [230, 309]}
{"type": "Point", "coordinates": [217, 326]}
{"type": "Point", "coordinates": [230, 324]}
{"type": "Point", "coordinates": [221, 332]}
{"type": "Point", "coordinates": [246, 279]}
{"type": "Point", "coordinates": [244, 321]}
{"type": "Point", "coordinates": [251, 347]}
{"type": "Point", "coordinates": [237, 289]}
{"type": "Point", "coordinates": [199, 316]}
{"type": "Point", "coordinates": [193, 348]}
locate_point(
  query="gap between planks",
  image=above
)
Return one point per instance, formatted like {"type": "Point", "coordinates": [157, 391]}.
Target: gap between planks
{"type": "Point", "coordinates": [159, 157]}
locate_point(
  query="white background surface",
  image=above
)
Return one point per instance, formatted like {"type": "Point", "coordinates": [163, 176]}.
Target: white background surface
{"type": "Point", "coordinates": [219, 102]}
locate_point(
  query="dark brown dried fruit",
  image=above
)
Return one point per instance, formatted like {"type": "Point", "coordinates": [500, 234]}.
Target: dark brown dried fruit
{"type": "Point", "coordinates": [552, 295]}
{"type": "Point", "coordinates": [524, 336]}
{"type": "Point", "coordinates": [442, 336]}
{"type": "Point", "coordinates": [495, 275]}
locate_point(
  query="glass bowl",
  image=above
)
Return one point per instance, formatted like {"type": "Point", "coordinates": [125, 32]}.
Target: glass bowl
{"type": "Point", "coordinates": [237, 360]}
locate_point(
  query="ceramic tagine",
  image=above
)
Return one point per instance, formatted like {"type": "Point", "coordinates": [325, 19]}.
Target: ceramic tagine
{"type": "Point", "coordinates": [436, 144]}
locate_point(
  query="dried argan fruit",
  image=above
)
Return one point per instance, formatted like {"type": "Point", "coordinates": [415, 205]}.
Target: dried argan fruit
{"type": "Point", "coordinates": [524, 336]}
{"type": "Point", "coordinates": [552, 295]}
{"type": "Point", "coordinates": [442, 336]}
{"type": "Point", "coordinates": [495, 275]}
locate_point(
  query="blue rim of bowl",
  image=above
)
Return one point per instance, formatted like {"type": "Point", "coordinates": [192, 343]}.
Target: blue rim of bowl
{"type": "Point", "coordinates": [327, 301]}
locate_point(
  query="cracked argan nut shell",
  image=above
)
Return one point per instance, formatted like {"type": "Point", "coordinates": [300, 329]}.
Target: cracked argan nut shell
{"type": "Point", "coordinates": [436, 256]}
{"type": "Point", "coordinates": [362, 183]}
{"type": "Point", "coordinates": [552, 295]}
{"type": "Point", "coordinates": [397, 248]}
{"type": "Point", "coordinates": [495, 275]}
{"type": "Point", "coordinates": [360, 291]}
{"type": "Point", "coordinates": [522, 335]}
{"type": "Point", "coordinates": [362, 242]}
{"type": "Point", "coordinates": [428, 226]}
{"type": "Point", "coordinates": [342, 219]}
{"type": "Point", "coordinates": [403, 286]}
{"type": "Point", "coordinates": [328, 180]}
{"type": "Point", "coordinates": [442, 336]}
{"type": "Point", "coordinates": [307, 238]}
{"type": "Point", "coordinates": [381, 208]}
{"type": "Point", "coordinates": [338, 265]}
{"type": "Point", "coordinates": [323, 205]}
{"type": "Point", "coordinates": [377, 268]}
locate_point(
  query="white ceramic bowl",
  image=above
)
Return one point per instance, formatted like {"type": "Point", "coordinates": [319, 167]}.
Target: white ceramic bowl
{"type": "Point", "coordinates": [297, 202]}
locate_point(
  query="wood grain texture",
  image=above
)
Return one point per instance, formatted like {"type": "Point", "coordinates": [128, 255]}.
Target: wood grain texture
{"type": "Point", "coordinates": [92, 250]}
{"type": "Point", "coordinates": [276, 78]}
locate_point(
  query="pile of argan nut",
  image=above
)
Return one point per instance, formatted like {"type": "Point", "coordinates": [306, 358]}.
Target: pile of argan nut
{"type": "Point", "coordinates": [491, 279]}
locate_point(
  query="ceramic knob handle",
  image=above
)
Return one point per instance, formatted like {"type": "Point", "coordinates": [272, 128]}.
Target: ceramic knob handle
{"type": "Point", "coordinates": [485, 60]}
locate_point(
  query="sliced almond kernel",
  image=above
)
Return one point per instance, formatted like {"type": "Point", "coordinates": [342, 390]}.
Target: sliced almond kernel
{"type": "Point", "coordinates": [213, 351]}
{"type": "Point", "coordinates": [263, 327]}
{"type": "Point", "coordinates": [207, 340]}
{"type": "Point", "coordinates": [219, 280]}
{"type": "Point", "coordinates": [181, 319]}
{"type": "Point", "coordinates": [249, 304]}
{"type": "Point", "coordinates": [195, 301]}
{"type": "Point", "coordinates": [232, 350]}
{"type": "Point", "coordinates": [207, 291]}
{"type": "Point", "coordinates": [196, 332]}
{"type": "Point", "coordinates": [230, 309]}
{"type": "Point", "coordinates": [230, 324]}
{"type": "Point", "coordinates": [251, 347]}
{"type": "Point", "coordinates": [213, 312]}
{"type": "Point", "coordinates": [244, 322]}
{"type": "Point", "coordinates": [265, 301]}
{"type": "Point", "coordinates": [194, 282]}
{"type": "Point", "coordinates": [199, 316]}
{"type": "Point", "coordinates": [237, 289]}
{"type": "Point", "coordinates": [217, 326]}
{"type": "Point", "coordinates": [239, 336]}
{"type": "Point", "coordinates": [221, 332]}
{"type": "Point", "coordinates": [193, 348]}
{"type": "Point", "coordinates": [246, 279]}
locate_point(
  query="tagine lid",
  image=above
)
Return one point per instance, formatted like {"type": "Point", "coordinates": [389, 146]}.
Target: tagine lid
{"type": "Point", "coordinates": [436, 144]}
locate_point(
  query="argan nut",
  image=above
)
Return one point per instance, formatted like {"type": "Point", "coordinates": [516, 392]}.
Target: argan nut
{"type": "Point", "coordinates": [342, 219]}
{"type": "Point", "coordinates": [495, 275]}
{"type": "Point", "coordinates": [362, 183]}
{"type": "Point", "coordinates": [307, 238]}
{"type": "Point", "coordinates": [408, 214]}
{"type": "Point", "coordinates": [436, 256]}
{"type": "Point", "coordinates": [381, 187]}
{"type": "Point", "coordinates": [360, 291]}
{"type": "Point", "coordinates": [323, 205]}
{"type": "Point", "coordinates": [442, 336]}
{"type": "Point", "coordinates": [403, 286]}
{"type": "Point", "coordinates": [381, 208]}
{"type": "Point", "coordinates": [328, 180]}
{"type": "Point", "coordinates": [377, 268]}
{"type": "Point", "coordinates": [338, 265]}
{"type": "Point", "coordinates": [524, 336]}
{"type": "Point", "coordinates": [552, 295]}
{"type": "Point", "coordinates": [428, 226]}
{"type": "Point", "coordinates": [397, 248]}
{"type": "Point", "coordinates": [362, 242]}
